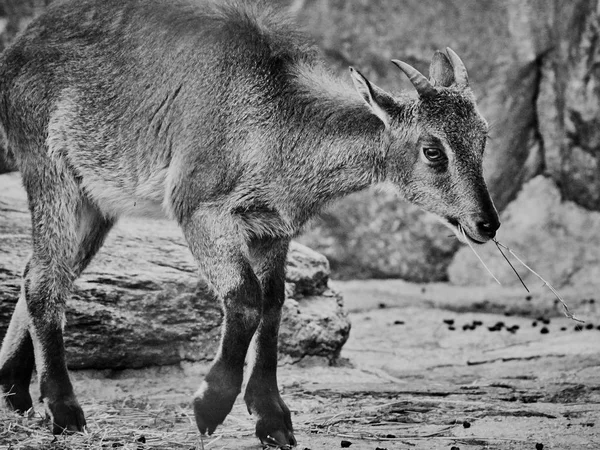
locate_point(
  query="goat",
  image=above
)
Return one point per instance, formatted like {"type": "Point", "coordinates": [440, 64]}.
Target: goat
{"type": "Point", "coordinates": [222, 117]}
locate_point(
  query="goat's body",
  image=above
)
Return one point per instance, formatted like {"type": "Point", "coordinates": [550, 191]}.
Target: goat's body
{"type": "Point", "coordinates": [199, 115]}
{"type": "Point", "coordinates": [221, 117]}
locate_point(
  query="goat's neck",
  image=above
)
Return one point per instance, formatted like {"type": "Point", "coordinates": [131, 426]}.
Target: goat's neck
{"type": "Point", "coordinates": [339, 145]}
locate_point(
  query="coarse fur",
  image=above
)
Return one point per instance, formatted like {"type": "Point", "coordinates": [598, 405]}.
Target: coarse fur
{"type": "Point", "coordinates": [222, 117]}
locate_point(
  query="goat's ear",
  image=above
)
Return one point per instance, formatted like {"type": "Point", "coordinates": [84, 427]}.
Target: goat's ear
{"type": "Point", "coordinates": [441, 72]}
{"type": "Point", "coordinates": [373, 96]}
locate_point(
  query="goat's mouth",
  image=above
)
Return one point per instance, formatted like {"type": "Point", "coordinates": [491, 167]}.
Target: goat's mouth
{"type": "Point", "coordinates": [461, 231]}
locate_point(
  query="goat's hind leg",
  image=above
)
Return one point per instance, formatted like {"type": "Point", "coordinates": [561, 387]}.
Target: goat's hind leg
{"type": "Point", "coordinates": [62, 244]}
{"type": "Point", "coordinates": [16, 359]}
{"type": "Point", "coordinates": [17, 356]}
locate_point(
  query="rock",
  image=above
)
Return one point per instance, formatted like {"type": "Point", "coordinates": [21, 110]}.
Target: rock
{"type": "Point", "coordinates": [141, 303]}
{"type": "Point", "coordinates": [569, 106]}
{"type": "Point", "coordinates": [376, 235]}
{"type": "Point", "coordinates": [558, 239]}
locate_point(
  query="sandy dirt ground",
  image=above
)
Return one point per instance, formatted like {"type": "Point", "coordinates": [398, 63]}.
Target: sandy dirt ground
{"type": "Point", "coordinates": [414, 375]}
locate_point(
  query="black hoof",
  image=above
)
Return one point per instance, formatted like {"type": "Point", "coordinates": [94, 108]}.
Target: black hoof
{"type": "Point", "coordinates": [274, 424]}
{"type": "Point", "coordinates": [212, 404]}
{"type": "Point", "coordinates": [281, 439]}
{"type": "Point", "coordinates": [66, 416]}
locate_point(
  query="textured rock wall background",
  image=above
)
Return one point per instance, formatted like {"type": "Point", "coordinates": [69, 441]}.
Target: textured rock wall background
{"type": "Point", "coordinates": [533, 64]}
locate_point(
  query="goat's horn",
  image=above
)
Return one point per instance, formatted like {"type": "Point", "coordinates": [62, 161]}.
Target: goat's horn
{"type": "Point", "coordinates": [421, 84]}
{"type": "Point", "coordinates": [460, 72]}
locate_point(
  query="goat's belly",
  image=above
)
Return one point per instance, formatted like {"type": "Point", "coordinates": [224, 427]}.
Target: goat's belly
{"type": "Point", "coordinates": [116, 198]}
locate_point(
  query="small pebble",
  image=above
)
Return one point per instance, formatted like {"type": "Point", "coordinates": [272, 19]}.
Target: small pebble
{"type": "Point", "coordinates": [592, 301]}
{"type": "Point", "coordinates": [534, 324]}
{"type": "Point", "coordinates": [345, 444]}
{"type": "Point", "coordinates": [544, 330]}
{"type": "Point", "coordinates": [390, 436]}
{"type": "Point", "coordinates": [398, 322]}
{"type": "Point", "coordinates": [477, 323]}
{"type": "Point", "coordinates": [563, 328]}
{"type": "Point", "coordinates": [382, 306]}
{"type": "Point", "coordinates": [539, 446]}
{"type": "Point", "coordinates": [452, 328]}
{"type": "Point", "coordinates": [449, 321]}
{"type": "Point", "coordinates": [589, 326]}
{"type": "Point", "coordinates": [528, 298]}
{"type": "Point", "coordinates": [578, 328]}
{"type": "Point", "coordinates": [546, 321]}
{"type": "Point", "coordinates": [466, 424]}
{"type": "Point", "coordinates": [454, 447]}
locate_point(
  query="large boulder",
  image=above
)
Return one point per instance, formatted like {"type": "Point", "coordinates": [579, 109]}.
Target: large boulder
{"type": "Point", "coordinates": [141, 303]}
{"type": "Point", "coordinates": [558, 239]}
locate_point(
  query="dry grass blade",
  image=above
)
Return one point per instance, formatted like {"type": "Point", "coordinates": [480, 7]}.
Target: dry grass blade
{"type": "Point", "coordinates": [511, 266]}
{"type": "Point", "coordinates": [556, 294]}
{"type": "Point", "coordinates": [476, 254]}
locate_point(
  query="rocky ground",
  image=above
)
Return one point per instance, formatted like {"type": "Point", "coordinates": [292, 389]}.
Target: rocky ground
{"type": "Point", "coordinates": [410, 377]}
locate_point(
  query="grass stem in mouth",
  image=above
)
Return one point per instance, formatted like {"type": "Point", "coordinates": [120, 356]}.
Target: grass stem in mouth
{"type": "Point", "coordinates": [476, 254]}
{"type": "Point", "coordinates": [548, 285]}
{"type": "Point", "coordinates": [511, 266]}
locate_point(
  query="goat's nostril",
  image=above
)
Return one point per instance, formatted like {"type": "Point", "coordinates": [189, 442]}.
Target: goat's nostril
{"type": "Point", "coordinates": [487, 229]}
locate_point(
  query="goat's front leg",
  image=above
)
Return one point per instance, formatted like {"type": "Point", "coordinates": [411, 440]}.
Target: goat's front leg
{"type": "Point", "coordinates": [220, 253]}
{"type": "Point", "coordinates": [274, 424]}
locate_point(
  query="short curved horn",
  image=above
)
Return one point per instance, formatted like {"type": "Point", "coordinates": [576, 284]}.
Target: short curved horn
{"type": "Point", "coordinates": [460, 72]}
{"type": "Point", "coordinates": [421, 84]}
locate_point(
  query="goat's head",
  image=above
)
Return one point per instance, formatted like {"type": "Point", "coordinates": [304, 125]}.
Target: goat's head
{"type": "Point", "coordinates": [434, 145]}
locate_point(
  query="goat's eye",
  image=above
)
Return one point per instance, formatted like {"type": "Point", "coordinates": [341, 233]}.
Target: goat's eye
{"type": "Point", "coordinates": [434, 154]}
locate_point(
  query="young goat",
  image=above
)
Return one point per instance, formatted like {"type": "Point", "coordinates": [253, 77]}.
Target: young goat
{"type": "Point", "coordinates": [222, 117]}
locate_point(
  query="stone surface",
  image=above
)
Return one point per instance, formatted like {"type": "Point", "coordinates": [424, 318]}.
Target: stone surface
{"type": "Point", "coordinates": [558, 239]}
{"type": "Point", "coordinates": [141, 303]}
